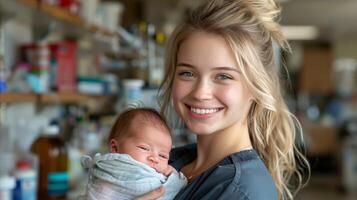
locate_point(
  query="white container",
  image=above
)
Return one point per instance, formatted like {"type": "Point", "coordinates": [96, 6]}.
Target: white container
{"type": "Point", "coordinates": [111, 13]}
{"type": "Point", "coordinates": [349, 164]}
{"type": "Point", "coordinates": [345, 76]}
{"type": "Point", "coordinates": [7, 161]}
{"type": "Point", "coordinates": [7, 155]}
{"type": "Point", "coordinates": [26, 182]}
{"type": "Point", "coordinates": [7, 184]}
{"type": "Point", "coordinates": [132, 90]}
{"type": "Point", "coordinates": [88, 10]}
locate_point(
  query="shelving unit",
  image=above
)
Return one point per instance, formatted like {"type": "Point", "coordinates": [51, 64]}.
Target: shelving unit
{"type": "Point", "coordinates": [55, 12]}
{"type": "Point", "coordinates": [50, 98]}
{"type": "Point", "coordinates": [11, 8]}
{"type": "Point", "coordinates": [17, 97]}
{"type": "Point", "coordinates": [31, 3]}
{"type": "Point", "coordinates": [66, 16]}
{"type": "Point", "coordinates": [70, 98]}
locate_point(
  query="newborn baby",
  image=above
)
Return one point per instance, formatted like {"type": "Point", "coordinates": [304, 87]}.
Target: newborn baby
{"type": "Point", "coordinates": [140, 144]}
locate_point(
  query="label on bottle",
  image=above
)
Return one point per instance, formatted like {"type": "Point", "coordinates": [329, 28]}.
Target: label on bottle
{"type": "Point", "coordinates": [57, 184]}
{"type": "Point", "coordinates": [26, 187]}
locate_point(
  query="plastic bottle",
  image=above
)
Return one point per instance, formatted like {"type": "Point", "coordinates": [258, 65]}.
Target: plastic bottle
{"type": "Point", "coordinates": [53, 164]}
{"type": "Point", "coordinates": [7, 184]}
{"type": "Point", "coordinates": [7, 155]}
{"type": "Point", "coordinates": [26, 177]}
{"type": "Point", "coordinates": [132, 90]}
{"type": "Point", "coordinates": [3, 76]}
{"type": "Point", "coordinates": [3, 85]}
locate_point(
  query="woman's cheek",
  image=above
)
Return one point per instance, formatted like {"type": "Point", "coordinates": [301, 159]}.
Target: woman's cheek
{"type": "Point", "coordinates": [177, 91]}
{"type": "Point", "coordinates": [176, 96]}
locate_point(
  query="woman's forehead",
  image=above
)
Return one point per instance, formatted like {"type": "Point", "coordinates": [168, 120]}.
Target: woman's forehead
{"type": "Point", "coordinates": [206, 49]}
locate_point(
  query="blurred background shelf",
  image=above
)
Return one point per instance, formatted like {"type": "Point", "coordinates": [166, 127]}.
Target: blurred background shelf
{"type": "Point", "coordinates": [31, 3]}
{"type": "Point", "coordinates": [71, 98]}
{"type": "Point", "coordinates": [61, 14]}
{"type": "Point", "coordinates": [31, 8]}
{"type": "Point", "coordinates": [62, 98]}
{"type": "Point", "coordinates": [17, 97]}
{"type": "Point", "coordinates": [66, 16]}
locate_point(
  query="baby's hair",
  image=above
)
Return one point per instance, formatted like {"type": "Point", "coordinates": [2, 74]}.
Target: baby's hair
{"type": "Point", "coordinates": [147, 116]}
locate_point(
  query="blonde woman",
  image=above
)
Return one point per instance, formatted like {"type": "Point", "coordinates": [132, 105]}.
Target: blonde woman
{"type": "Point", "coordinates": [223, 83]}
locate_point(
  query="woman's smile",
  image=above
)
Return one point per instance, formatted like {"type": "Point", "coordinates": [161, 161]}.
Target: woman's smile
{"type": "Point", "coordinates": [202, 113]}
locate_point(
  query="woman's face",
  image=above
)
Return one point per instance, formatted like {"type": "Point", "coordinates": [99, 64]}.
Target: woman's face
{"type": "Point", "coordinates": [208, 91]}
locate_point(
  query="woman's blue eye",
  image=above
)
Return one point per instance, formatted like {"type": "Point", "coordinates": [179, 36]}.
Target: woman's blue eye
{"type": "Point", "coordinates": [186, 74]}
{"type": "Point", "coordinates": [224, 77]}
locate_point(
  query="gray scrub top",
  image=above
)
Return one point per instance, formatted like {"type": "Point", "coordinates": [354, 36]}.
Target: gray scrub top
{"type": "Point", "coordinates": [239, 176]}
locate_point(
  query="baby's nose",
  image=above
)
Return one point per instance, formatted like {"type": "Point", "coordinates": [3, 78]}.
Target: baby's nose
{"type": "Point", "coordinates": [153, 159]}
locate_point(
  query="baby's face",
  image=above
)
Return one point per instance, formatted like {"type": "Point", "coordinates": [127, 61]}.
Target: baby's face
{"type": "Point", "coordinates": [148, 144]}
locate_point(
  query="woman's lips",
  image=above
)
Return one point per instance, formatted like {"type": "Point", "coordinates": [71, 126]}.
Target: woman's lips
{"type": "Point", "coordinates": [203, 113]}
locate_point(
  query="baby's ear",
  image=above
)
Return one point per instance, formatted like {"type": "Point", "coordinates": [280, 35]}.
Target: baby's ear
{"type": "Point", "coordinates": [113, 145]}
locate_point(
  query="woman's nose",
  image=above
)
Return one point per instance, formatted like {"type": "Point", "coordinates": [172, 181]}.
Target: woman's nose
{"type": "Point", "coordinates": [202, 90]}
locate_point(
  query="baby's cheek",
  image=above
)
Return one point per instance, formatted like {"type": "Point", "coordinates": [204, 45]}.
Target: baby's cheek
{"type": "Point", "coordinates": [170, 170]}
{"type": "Point", "coordinates": [163, 168]}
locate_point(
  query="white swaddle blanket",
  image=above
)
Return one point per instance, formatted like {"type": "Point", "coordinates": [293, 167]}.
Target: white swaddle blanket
{"type": "Point", "coordinates": [118, 176]}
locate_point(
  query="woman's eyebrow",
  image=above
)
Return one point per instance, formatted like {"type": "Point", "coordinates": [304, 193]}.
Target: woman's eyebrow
{"type": "Point", "coordinates": [234, 69]}
{"type": "Point", "coordinates": [227, 68]}
{"type": "Point", "coordinates": [185, 65]}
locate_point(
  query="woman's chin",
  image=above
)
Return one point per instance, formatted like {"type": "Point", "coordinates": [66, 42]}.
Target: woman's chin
{"type": "Point", "coordinates": [200, 129]}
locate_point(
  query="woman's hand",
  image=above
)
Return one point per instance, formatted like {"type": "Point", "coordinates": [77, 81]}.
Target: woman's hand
{"type": "Point", "coordinates": [153, 194]}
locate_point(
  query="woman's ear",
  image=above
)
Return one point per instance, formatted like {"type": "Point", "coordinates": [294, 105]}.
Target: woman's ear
{"type": "Point", "coordinates": [251, 99]}
{"type": "Point", "coordinates": [113, 145]}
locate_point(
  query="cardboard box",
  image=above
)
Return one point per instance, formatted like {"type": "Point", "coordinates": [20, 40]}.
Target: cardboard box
{"type": "Point", "coordinates": [321, 140]}
{"type": "Point", "coordinates": [64, 62]}
{"type": "Point", "coordinates": [315, 75]}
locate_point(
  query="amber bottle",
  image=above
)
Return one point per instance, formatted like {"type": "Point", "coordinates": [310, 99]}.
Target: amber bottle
{"type": "Point", "coordinates": [53, 164]}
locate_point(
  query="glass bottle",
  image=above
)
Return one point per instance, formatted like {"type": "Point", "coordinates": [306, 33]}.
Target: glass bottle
{"type": "Point", "coordinates": [53, 164]}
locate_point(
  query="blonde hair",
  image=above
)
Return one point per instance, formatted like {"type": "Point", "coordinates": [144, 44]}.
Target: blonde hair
{"type": "Point", "coordinates": [250, 28]}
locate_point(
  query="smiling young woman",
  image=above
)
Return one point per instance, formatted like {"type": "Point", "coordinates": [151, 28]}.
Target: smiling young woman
{"type": "Point", "coordinates": [222, 81]}
{"type": "Point", "coordinates": [208, 91]}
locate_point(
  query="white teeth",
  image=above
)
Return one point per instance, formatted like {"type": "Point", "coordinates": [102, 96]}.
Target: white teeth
{"type": "Point", "coordinates": [204, 111]}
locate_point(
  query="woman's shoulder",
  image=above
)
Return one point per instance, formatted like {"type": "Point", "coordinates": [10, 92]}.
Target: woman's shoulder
{"type": "Point", "coordinates": [241, 175]}
{"type": "Point", "coordinates": [252, 178]}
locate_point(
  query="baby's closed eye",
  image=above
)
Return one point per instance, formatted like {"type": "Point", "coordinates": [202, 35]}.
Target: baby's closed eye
{"type": "Point", "coordinates": [164, 156]}
{"type": "Point", "coordinates": [145, 148]}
